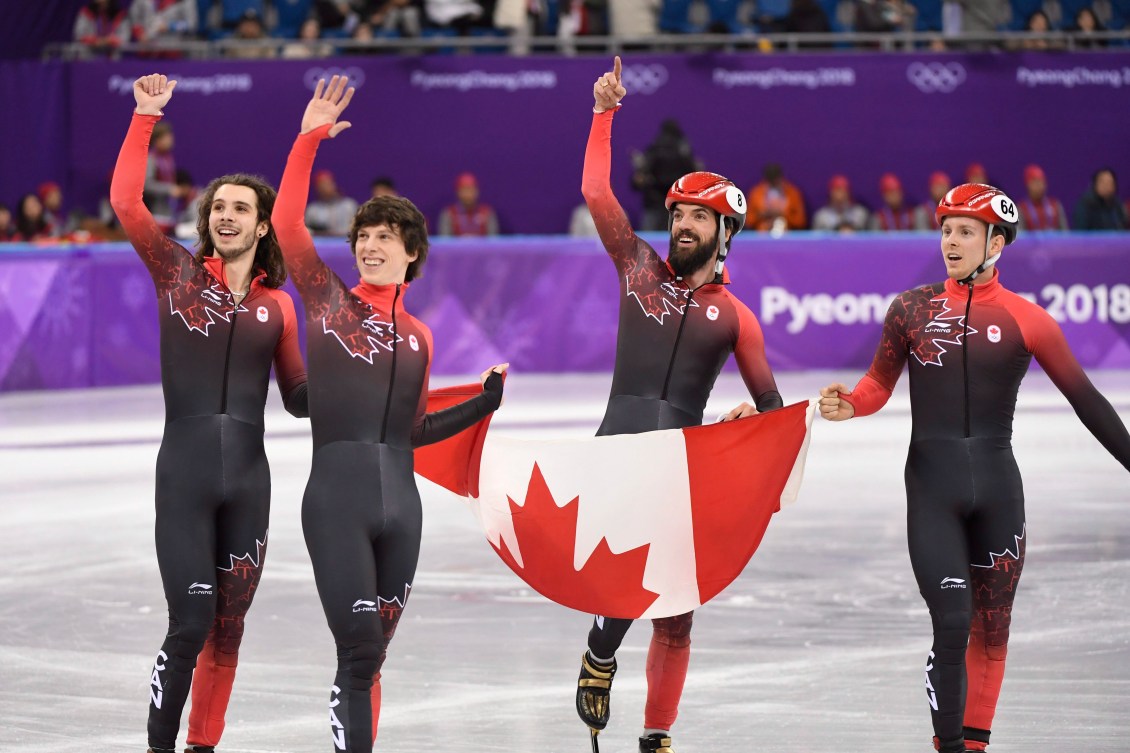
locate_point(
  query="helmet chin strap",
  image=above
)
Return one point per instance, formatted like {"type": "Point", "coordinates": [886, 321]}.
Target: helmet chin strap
{"type": "Point", "coordinates": [721, 248]}
{"type": "Point", "coordinates": [989, 260]}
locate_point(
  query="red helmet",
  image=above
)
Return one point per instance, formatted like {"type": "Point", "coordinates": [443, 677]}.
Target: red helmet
{"type": "Point", "coordinates": [710, 190]}
{"type": "Point", "coordinates": [982, 202]}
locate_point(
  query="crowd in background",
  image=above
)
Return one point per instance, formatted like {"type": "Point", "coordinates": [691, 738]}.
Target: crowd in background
{"type": "Point", "coordinates": [315, 26]}
{"type": "Point", "coordinates": [776, 205]}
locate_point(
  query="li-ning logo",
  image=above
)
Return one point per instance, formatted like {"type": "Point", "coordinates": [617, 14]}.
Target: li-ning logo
{"type": "Point", "coordinates": [644, 79]}
{"type": "Point", "coordinates": [363, 605]}
{"type": "Point", "coordinates": [200, 589]}
{"type": "Point", "coordinates": [952, 583]}
{"type": "Point", "coordinates": [156, 687]}
{"type": "Point", "coordinates": [944, 328]}
{"type": "Point", "coordinates": [932, 78]}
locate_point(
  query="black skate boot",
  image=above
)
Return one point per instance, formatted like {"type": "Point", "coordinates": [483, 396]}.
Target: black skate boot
{"type": "Point", "coordinates": [200, 749]}
{"type": "Point", "coordinates": [593, 687]}
{"type": "Point", "coordinates": [656, 742]}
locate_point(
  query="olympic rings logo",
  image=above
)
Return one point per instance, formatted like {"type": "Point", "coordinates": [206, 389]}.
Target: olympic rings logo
{"type": "Point", "coordinates": [313, 75]}
{"type": "Point", "coordinates": [644, 79]}
{"type": "Point", "coordinates": [936, 77]}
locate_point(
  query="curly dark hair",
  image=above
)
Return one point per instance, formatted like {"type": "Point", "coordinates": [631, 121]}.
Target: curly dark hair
{"type": "Point", "coordinates": [401, 215]}
{"type": "Point", "coordinates": [268, 254]}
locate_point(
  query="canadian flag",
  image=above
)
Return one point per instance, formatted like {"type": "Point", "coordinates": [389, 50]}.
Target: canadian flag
{"type": "Point", "coordinates": [638, 525]}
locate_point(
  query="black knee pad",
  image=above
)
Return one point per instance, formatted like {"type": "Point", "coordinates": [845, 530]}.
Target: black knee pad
{"type": "Point", "coordinates": [188, 641]}
{"type": "Point", "coordinates": [361, 662]}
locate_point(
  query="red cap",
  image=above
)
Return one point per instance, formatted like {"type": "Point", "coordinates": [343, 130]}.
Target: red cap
{"type": "Point", "coordinates": [939, 177]}
{"type": "Point", "coordinates": [321, 175]}
{"type": "Point", "coordinates": [464, 180]}
{"type": "Point", "coordinates": [981, 202]}
{"type": "Point", "coordinates": [1034, 172]}
{"type": "Point", "coordinates": [889, 182]}
{"type": "Point", "coordinates": [45, 188]}
{"type": "Point", "coordinates": [975, 168]}
{"type": "Point", "coordinates": [838, 181]}
{"type": "Point", "coordinates": [709, 190]}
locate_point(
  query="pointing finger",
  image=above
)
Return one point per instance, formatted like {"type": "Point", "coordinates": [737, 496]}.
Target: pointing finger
{"type": "Point", "coordinates": [616, 68]}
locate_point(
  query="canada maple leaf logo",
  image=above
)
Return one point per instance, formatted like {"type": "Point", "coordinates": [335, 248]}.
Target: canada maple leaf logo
{"type": "Point", "coordinates": [200, 306]}
{"type": "Point", "coordinates": [657, 297]}
{"type": "Point", "coordinates": [996, 581]}
{"type": "Point", "coordinates": [238, 581]}
{"type": "Point", "coordinates": [547, 536]}
{"type": "Point", "coordinates": [361, 338]}
{"type": "Point", "coordinates": [390, 609]}
{"type": "Point", "coordinates": [942, 327]}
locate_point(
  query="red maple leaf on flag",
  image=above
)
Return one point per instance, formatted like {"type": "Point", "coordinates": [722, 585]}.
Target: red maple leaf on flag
{"type": "Point", "coordinates": [547, 537]}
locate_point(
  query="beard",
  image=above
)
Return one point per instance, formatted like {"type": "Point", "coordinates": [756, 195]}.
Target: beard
{"type": "Point", "coordinates": [231, 253]}
{"type": "Point", "coordinates": [687, 262]}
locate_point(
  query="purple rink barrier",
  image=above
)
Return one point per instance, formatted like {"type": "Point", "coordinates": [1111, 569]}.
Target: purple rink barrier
{"type": "Point", "coordinates": [86, 316]}
{"type": "Point", "coordinates": [520, 124]}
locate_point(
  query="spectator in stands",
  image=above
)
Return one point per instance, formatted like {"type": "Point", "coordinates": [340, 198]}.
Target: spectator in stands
{"type": "Point", "coordinates": [393, 16]}
{"type": "Point", "coordinates": [884, 15]}
{"type": "Point", "coordinates": [331, 212]}
{"type": "Point", "coordinates": [841, 214]}
{"type": "Point", "coordinates": [335, 18]}
{"type": "Point", "coordinates": [8, 230]}
{"type": "Point", "coordinates": [158, 20]}
{"type": "Point", "coordinates": [383, 186]}
{"type": "Point", "coordinates": [964, 17]}
{"type": "Point", "coordinates": [162, 194]}
{"type": "Point", "coordinates": [460, 15]}
{"type": "Point", "coordinates": [632, 19]}
{"type": "Point", "coordinates": [102, 26]}
{"type": "Point", "coordinates": [520, 19]}
{"type": "Point", "coordinates": [775, 204]}
{"type": "Point", "coordinates": [976, 173]}
{"type": "Point", "coordinates": [581, 224]}
{"type": "Point", "coordinates": [1100, 208]}
{"type": "Point", "coordinates": [1038, 23]}
{"type": "Point", "coordinates": [925, 217]}
{"type": "Point", "coordinates": [363, 34]}
{"type": "Point", "coordinates": [579, 18]}
{"type": "Point", "coordinates": [806, 17]}
{"type": "Point", "coordinates": [189, 207]}
{"type": "Point", "coordinates": [1085, 26]}
{"type": "Point", "coordinates": [894, 214]}
{"type": "Point", "coordinates": [51, 197]}
{"type": "Point", "coordinates": [250, 28]}
{"type": "Point", "coordinates": [467, 217]}
{"type": "Point", "coordinates": [656, 168]}
{"type": "Point", "coordinates": [308, 44]}
{"type": "Point", "coordinates": [1039, 211]}
{"type": "Point", "coordinates": [30, 223]}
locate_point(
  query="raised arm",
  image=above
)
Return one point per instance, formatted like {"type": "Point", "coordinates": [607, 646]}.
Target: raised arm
{"type": "Point", "coordinates": [160, 254]}
{"type": "Point", "coordinates": [1046, 342]}
{"type": "Point", "coordinates": [320, 121]}
{"type": "Point", "coordinates": [611, 221]}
